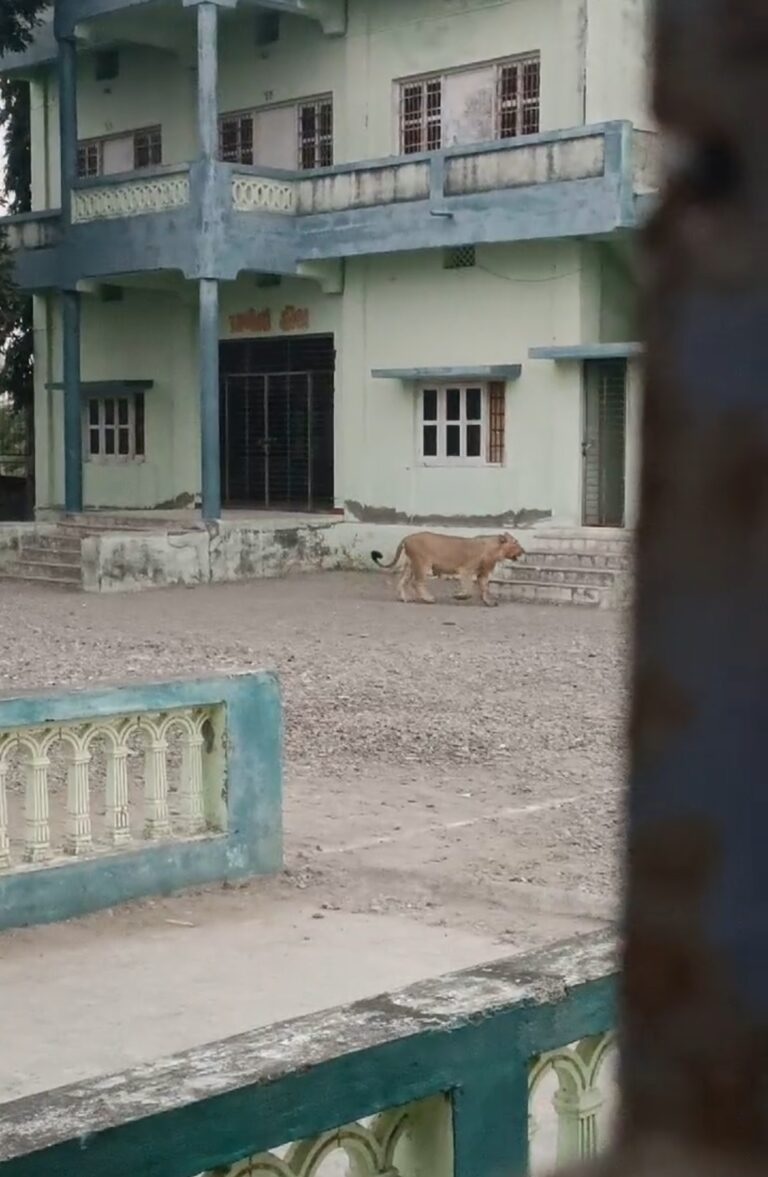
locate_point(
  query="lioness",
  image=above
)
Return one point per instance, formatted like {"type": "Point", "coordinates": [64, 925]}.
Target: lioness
{"type": "Point", "coordinates": [450, 555]}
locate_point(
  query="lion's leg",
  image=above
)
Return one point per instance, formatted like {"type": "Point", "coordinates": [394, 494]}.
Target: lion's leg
{"type": "Point", "coordinates": [467, 585]}
{"type": "Point", "coordinates": [419, 574]}
{"type": "Point", "coordinates": [483, 586]}
{"type": "Point", "coordinates": [405, 583]}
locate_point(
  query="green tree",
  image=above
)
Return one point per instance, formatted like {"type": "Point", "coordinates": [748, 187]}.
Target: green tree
{"type": "Point", "coordinates": [18, 19]}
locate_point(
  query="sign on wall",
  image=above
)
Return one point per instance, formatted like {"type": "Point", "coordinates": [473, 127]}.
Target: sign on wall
{"type": "Point", "coordinates": [259, 322]}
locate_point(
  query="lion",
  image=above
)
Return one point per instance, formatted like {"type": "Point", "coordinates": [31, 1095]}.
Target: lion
{"type": "Point", "coordinates": [472, 560]}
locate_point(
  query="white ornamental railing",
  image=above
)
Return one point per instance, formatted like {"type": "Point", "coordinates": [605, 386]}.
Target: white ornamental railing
{"type": "Point", "coordinates": [130, 197]}
{"type": "Point", "coordinates": [571, 1106]}
{"type": "Point", "coordinates": [81, 788]}
{"type": "Point", "coordinates": [262, 194]}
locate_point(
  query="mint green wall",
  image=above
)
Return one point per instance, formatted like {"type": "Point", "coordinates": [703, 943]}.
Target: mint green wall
{"type": "Point", "coordinates": [149, 335]}
{"type": "Point", "coordinates": [401, 310]}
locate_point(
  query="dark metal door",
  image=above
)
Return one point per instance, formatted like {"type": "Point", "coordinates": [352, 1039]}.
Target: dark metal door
{"type": "Point", "coordinates": [277, 443]}
{"type": "Point", "coordinates": [604, 445]}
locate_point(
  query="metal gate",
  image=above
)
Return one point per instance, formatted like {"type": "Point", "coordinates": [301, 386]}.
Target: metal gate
{"type": "Point", "coordinates": [277, 431]}
{"type": "Point", "coordinates": [604, 444]}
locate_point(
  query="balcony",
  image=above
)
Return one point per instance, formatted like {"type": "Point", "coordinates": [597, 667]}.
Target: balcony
{"type": "Point", "coordinates": [586, 182]}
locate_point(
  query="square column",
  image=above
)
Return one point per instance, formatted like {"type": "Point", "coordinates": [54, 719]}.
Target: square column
{"type": "Point", "coordinates": [209, 399]}
{"type": "Point", "coordinates": [70, 299]}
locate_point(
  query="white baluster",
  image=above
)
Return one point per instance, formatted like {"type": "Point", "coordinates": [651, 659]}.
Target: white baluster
{"type": "Point", "coordinates": [191, 799]}
{"type": "Point", "coordinates": [118, 818]}
{"type": "Point", "coordinates": [577, 1136]}
{"type": "Point", "coordinates": [5, 846]}
{"type": "Point", "coordinates": [78, 839]}
{"type": "Point", "coordinates": [37, 833]}
{"type": "Point", "coordinates": [157, 822]}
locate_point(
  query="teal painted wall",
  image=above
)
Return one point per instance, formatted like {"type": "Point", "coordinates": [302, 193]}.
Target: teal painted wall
{"type": "Point", "coordinates": [251, 765]}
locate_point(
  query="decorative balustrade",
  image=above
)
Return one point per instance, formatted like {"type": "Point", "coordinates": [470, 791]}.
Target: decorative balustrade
{"type": "Point", "coordinates": [33, 753]}
{"type": "Point", "coordinates": [37, 230]}
{"type": "Point", "coordinates": [129, 791]}
{"type": "Point", "coordinates": [130, 196]}
{"type": "Point", "coordinates": [462, 1076]}
{"type": "Point", "coordinates": [253, 193]}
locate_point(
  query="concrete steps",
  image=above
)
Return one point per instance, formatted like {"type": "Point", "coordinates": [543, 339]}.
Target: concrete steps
{"type": "Point", "coordinates": [571, 567]}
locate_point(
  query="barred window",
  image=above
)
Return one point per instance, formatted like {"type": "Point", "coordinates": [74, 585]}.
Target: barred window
{"type": "Point", "coordinates": [89, 159]}
{"type": "Point", "coordinates": [236, 138]}
{"type": "Point", "coordinates": [518, 97]}
{"type": "Point", "coordinates": [315, 123]}
{"type": "Point", "coordinates": [421, 115]}
{"type": "Point", "coordinates": [114, 428]}
{"type": "Point", "coordinates": [148, 148]}
{"type": "Point", "coordinates": [462, 424]}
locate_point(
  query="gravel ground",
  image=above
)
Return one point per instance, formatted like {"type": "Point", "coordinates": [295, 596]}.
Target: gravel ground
{"type": "Point", "coordinates": [458, 763]}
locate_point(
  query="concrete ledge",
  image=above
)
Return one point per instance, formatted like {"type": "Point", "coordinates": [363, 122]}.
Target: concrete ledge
{"type": "Point", "coordinates": [472, 1034]}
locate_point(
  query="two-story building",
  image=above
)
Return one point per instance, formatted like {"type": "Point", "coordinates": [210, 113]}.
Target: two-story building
{"type": "Point", "coordinates": [370, 256]}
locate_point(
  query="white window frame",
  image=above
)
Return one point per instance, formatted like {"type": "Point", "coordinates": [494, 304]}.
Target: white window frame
{"type": "Point", "coordinates": [102, 458]}
{"type": "Point", "coordinates": [498, 64]}
{"type": "Point", "coordinates": [442, 458]}
{"type": "Point", "coordinates": [319, 139]}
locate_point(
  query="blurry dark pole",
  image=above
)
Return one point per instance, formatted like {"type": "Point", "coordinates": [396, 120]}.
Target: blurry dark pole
{"type": "Point", "coordinates": [695, 988]}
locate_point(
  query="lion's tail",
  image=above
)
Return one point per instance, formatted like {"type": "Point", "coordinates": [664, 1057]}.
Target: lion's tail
{"type": "Point", "coordinates": [377, 557]}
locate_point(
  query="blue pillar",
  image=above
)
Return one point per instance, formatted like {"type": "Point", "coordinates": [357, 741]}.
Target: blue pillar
{"type": "Point", "coordinates": [73, 430]}
{"type": "Point", "coordinates": [209, 398]}
{"type": "Point", "coordinates": [67, 74]}
{"type": "Point", "coordinates": [70, 299]}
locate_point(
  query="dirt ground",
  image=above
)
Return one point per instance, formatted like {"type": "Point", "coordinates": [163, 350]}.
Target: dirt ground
{"type": "Point", "coordinates": [455, 765]}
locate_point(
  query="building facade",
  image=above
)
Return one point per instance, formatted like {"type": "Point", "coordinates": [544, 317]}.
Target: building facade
{"type": "Point", "coordinates": [371, 257]}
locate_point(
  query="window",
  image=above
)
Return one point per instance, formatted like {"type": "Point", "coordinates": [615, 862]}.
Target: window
{"type": "Point", "coordinates": [120, 153]}
{"type": "Point", "coordinates": [148, 148]}
{"type": "Point", "coordinates": [316, 134]}
{"type": "Point", "coordinates": [89, 159]}
{"type": "Point", "coordinates": [115, 428]}
{"type": "Point", "coordinates": [421, 115]}
{"type": "Point", "coordinates": [462, 424]}
{"type": "Point", "coordinates": [459, 257]}
{"type": "Point", "coordinates": [236, 138]}
{"type": "Point", "coordinates": [518, 95]}
{"type": "Point", "coordinates": [107, 65]}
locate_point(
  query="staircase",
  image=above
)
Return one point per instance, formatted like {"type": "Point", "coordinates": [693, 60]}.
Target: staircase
{"type": "Point", "coordinates": [571, 566]}
{"type": "Point", "coordinates": [52, 553]}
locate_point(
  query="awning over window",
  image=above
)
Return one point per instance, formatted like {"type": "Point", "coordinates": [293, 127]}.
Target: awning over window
{"type": "Point", "coordinates": [103, 388]}
{"type": "Point", "coordinates": [461, 372]}
{"type": "Point", "coordinates": [587, 351]}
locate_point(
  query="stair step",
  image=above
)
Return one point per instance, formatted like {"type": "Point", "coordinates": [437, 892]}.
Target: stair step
{"type": "Point", "coordinates": [576, 577]}
{"type": "Point", "coordinates": [19, 576]}
{"type": "Point", "coordinates": [47, 568]}
{"type": "Point", "coordinates": [537, 592]}
{"type": "Point", "coordinates": [605, 562]}
{"type": "Point", "coordinates": [46, 555]}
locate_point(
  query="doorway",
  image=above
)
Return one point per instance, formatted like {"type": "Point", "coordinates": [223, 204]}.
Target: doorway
{"type": "Point", "coordinates": [604, 445]}
{"type": "Point", "coordinates": [277, 439]}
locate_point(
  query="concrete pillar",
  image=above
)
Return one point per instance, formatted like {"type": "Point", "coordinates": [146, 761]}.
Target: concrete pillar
{"type": "Point", "coordinates": [67, 73]}
{"type": "Point", "coordinates": [207, 80]}
{"type": "Point", "coordinates": [70, 299]}
{"type": "Point", "coordinates": [73, 431]}
{"type": "Point", "coordinates": [209, 398]}
{"type": "Point", "coordinates": [208, 135]}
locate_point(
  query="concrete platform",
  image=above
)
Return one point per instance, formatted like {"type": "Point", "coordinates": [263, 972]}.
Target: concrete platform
{"type": "Point", "coordinates": [96, 996]}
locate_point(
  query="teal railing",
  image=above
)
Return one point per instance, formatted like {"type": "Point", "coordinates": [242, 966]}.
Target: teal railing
{"type": "Point", "coordinates": [498, 1070]}
{"type": "Point", "coordinates": [121, 792]}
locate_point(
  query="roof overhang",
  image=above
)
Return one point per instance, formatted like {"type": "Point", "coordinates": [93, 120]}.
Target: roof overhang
{"type": "Point", "coordinates": [90, 388]}
{"type": "Point", "coordinates": [587, 351]}
{"type": "Point", "coordinates": [457, 372]}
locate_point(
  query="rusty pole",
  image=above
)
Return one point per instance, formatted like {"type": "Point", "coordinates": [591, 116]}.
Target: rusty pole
{"type": "Point", "coordinates": [695, 988]}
